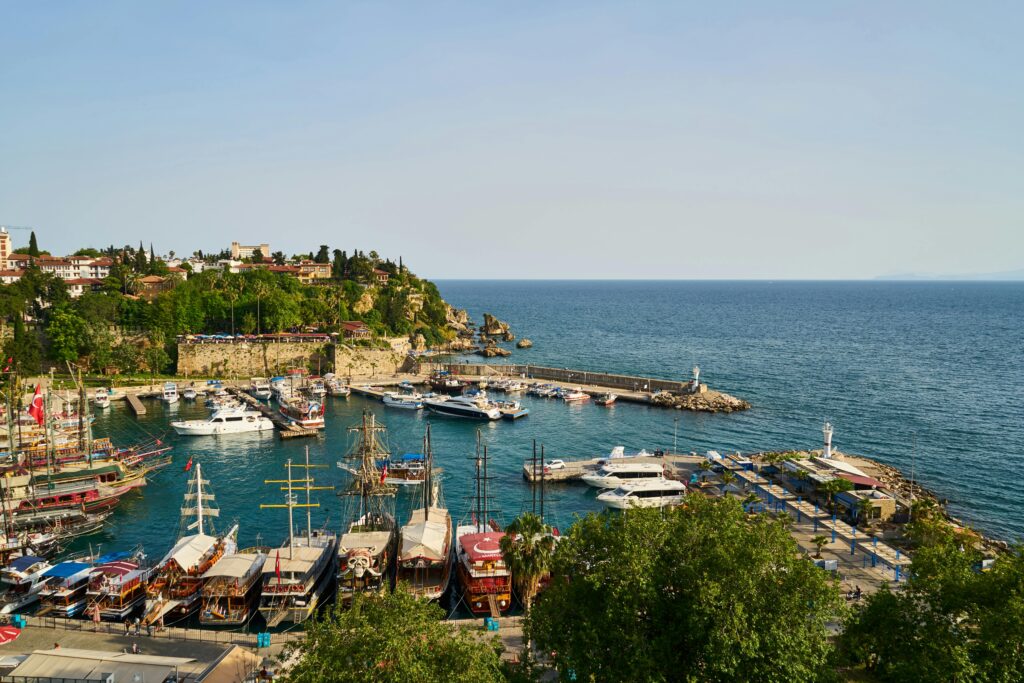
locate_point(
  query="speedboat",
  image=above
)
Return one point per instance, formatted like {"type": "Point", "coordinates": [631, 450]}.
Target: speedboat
{"type": "Point", "coordinates": [227, 420]}
{"type": "Point", "coordinates": [613, 474]}
{"type": "Point", "coordinates": [316, 388]}
{"type": "Point", "coordinates": [189, 394]}
{"type": "Point", "coordinates": [408, 401]}
{"type": "Point", "coordinates": [170, 394]}
{"type": "Point", "coordinates": [335, 387]}
{"type": "Point", "coordinates": [656, 493]}
{"type": "Point", "coordinates": [101, 398]}
{"type": "Point", "coordinates": [575, 396]}
{"type": "Point", "coordinates": [475, 407]}
{"type": "Point", "coordinates": [605, 399]}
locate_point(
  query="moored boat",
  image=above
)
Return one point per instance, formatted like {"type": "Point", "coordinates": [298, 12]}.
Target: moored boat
{"type": "Point", "coordinates": [299, 575]}
{"type": "Point", "coordinates": [612, 474]}
{"type": "Point", "coordinates": [20, 582]}
{"type": "Point", "coordinates": [226, 420]}
{"type": "Point", "coordinates": [64, 590]}
{"type": "Point", "coordinates": [232, 588]}
{"type": "Point", "coordinates": [655, 493]}
{"type": "Point", "coordinates": [306, 414]}
{"type": "Point", "coordinates": [475, 407]}
{"type": "Point", "coordinates": [117, 586]}
{"type": "Point", "coordinates": [101, 398]}
{"type": "Point", "coordinates": [444, 381]}
{"type": "Point", "coordinates": [393, 399]}
{"type": "Point", "coordinates": [170, 393]}
{"type": "Point", "coordinates": [485, 579]}
{"type": "Point", "coordinates": [424, 563]}
{"type": "Point", "coordinates": [259, 387]}
{"type": "Point", "coordinates": [606, 399]}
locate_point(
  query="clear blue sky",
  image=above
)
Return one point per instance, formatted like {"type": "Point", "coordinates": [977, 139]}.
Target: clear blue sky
{"type": "Point", "coordinates": [526, 139]}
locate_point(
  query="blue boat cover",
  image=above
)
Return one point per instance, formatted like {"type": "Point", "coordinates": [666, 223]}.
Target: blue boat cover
{"type": "Point", "coordinates": [20, 563]}
{"type": "Point", "coordinates": [411, 457]}
{"type": "Point", "coordinates": [66, 569]}
{"type": "Point", "coordinates": [113, 557]}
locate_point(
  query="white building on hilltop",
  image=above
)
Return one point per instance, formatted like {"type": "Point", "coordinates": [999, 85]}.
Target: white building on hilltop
{"type": "Point", "coordinates": [241, 251]}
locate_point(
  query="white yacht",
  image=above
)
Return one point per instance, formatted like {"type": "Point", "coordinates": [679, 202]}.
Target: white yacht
{"type": "Point", "coordinates": [259, 388]}
{"type": "Point", "coordinates": [21, 581]}
{"type": "Point", "coordinates": [227, 420]}
{"type": "Point", "coordinates": [394, 399]}
{"type": "Point", "coordinates": [189, 394]}
{"type": "Point", "coordinates": [475, 407]}
{"type": "Point", "coordinates": [101, 398]}
{"type": "Point", "coordinates": [170, 394]}
{"type": "Point", "coordinates": [612, 474]}
{"type": "Point", "coordinates": [655, 493]}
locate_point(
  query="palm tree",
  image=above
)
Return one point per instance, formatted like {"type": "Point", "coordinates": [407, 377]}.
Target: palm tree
{"type": "Point", "coordinates": [834, 486]}
{"type": "Point", "coordinates": [864, 508]}
{"type": "Point", "coordinates": [727, 477]}
{"type": "Point", "coordinates": [819, 543]}
{"type": "Point", "coordinates": [527, 548]}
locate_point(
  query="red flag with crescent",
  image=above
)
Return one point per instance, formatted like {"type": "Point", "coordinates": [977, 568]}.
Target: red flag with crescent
{"type": "Point", "coordinates": [188, 465]}
{"type": "Point", "coordinates": [384, 473]}
{"type": "Point", "coordinates": [277, 567]}
{"type": "Point", "coordinates": [36, 408]}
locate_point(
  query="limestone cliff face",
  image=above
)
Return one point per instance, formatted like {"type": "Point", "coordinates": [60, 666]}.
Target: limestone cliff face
{"type": "Point", "coordinates": [366, 302]}
{"type": "Point", "coordinates": [457, 319]}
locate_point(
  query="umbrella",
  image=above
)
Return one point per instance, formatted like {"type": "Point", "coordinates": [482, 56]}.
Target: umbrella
{"type": "Point", "coordinates": [8, 634]}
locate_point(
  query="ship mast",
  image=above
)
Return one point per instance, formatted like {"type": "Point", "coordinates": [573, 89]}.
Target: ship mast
{"type": "Point", "coordinates": [290, 503]}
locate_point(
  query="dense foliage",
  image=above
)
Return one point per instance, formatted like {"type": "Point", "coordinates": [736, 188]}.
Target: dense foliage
{"type": "Point", "coordinates": [392, 637]}
{"type": "Point", "coordinates": [118, 327]}
{"type": "Point", "coordinates": [951, 622]}
{"type": "Point", "coordinates": [700, 593]}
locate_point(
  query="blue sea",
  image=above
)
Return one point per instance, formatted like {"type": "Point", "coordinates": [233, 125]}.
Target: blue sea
{"type": "Point", "coordinates": [922, 375]}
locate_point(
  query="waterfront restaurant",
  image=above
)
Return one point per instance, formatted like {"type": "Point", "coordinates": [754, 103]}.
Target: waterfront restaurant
{"type": "Point", "coordinates": [883, 506]}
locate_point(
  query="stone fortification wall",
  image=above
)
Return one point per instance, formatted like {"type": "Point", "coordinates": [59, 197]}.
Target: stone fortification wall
{"type": "Point", "coordinates": [357, 361]}
{"type": "Point", "coordinates": [624, 382]}
{"type": "Point", "coordinates": [252, 359]}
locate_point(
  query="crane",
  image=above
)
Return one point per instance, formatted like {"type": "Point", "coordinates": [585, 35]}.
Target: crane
{"type": "Point", "coordinates": [15, 227]}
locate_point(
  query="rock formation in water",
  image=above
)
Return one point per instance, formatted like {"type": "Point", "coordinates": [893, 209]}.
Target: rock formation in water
{"type": "Point", "coordinates": [705, 402]}
{"type": "Point", "coordinates": [524, 343]}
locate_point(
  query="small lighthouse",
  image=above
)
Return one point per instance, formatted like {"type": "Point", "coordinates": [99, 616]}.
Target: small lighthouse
{"type": "Point", "coordinates": [695, 382]}
{"type": "Point", "coordinates": [827, 431]}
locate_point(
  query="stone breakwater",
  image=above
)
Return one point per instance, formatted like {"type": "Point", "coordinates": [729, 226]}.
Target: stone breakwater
{"type": "Point", "coordinates": [709, 401]}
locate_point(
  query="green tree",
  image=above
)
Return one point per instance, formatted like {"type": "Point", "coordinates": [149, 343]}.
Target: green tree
{"type": "Point", "coordinates": [702, 592]}
{"type": "Point", "coordinates": [391, 637]}
{"type": "Point", "coordinates": [819, 543]}
{"type": "Point", "coordinates": [338, 265]}
{"type": "Point", "coordinates": [527, 547]}
{"type": "Point", "coordinates": [323, 255]}
{"type": "Point", "coordinates": [279, 258]}
{"type": "Point", "coordinates": [33, 246]}
{"type": "Point", "coordinates": [833, 486]}
{"type": "Point", "coordinates": [257, 256]}
{"type": "Point", "coordinates": [23, 346]}
{"type": "Point", "coordinates": [68, 335]}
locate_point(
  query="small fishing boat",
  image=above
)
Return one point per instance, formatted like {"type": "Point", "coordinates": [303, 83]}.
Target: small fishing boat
{"type": "Point", "coordinates": [335, 387]}
{"type": "Point", "coordinates": [316, 387]}
{"type": "Point", "coordinates": [21, 581]}
{"type": "Point", "coordinates": [393, 399]}
{"type": "Point", "coordinates": [445, 382]}
{"type": "Point", "coordinates": [170, 393]}
{"type": "Point", "coordinates": [101, 398]}
{"type": "Point", "coordinates": [575, 396]}
{"type": "Point", "coordinates": [232, 588]}
{"type": "Point", "coordinates": [227, 420]}
{"type": "Point", "coordinates": [605, 399]}
{"type": "Point", "coordinates": [189, 394]}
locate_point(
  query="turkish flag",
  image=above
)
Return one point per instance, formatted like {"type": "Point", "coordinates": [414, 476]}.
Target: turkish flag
{"type": "Point", "coordinates": [277, 567]}
{"type": "Point", "coordinates": [384, 473]}
{"type": "Point", "coordinates": [36, 408]}
{"type": "Point", "coordinates": [188, 465]}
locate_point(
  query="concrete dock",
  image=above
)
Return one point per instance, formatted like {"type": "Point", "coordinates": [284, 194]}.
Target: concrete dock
{"type": "Point", "coordinates": [286, 429]}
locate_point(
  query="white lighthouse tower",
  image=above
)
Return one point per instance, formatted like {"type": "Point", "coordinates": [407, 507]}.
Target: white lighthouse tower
{"type": "Point", "coordinates": [695, 382]}
{"type": "Point", "coordinates": [827, 431]}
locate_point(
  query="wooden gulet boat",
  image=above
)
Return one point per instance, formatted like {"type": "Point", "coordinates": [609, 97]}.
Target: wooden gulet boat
{"type": "Point", "coordinates": [176, 585]}
{"type": "Point", "coordinates": [232, 588]}
{"type": "Point", "coordinates": [117, 586]}
{"type": "Point", "coordinates": [367, 549]}
{"type": "Point", "coordinates": [485, 579]}
{"type": "Point", "coordinates": [299, 575]}
{"type": "Point", "coordinates": [424, 564]}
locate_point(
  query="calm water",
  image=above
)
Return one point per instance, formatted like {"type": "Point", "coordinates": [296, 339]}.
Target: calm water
{"type": "Point", "coordinates": [888, 363]}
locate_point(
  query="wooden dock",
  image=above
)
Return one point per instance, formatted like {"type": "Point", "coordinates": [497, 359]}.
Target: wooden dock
{"type": "Point", "coordinates": [286, 429]}
{"type": "Point", "coordinates": [136, 404]}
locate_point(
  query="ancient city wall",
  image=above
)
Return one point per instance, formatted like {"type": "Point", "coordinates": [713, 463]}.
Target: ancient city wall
{"type": "Point", "coordinates": [239, 358]}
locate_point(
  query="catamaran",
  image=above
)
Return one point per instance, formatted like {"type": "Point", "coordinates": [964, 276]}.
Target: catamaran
{"type": "Point", "coordinates": [177, 582]}
{"type": "Point", "coordinates": [298, 576]}
{"type": "Point", "coordinates": [424, 564]}
{"type": "Point", "coordinates": [366, 551]}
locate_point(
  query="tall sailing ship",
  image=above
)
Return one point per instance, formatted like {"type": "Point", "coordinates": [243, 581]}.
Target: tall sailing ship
{"type": "Point", "coordinates": [485, 579]}
{"type": "Point", "coordinates": [175, 589]}
{"type": "Point", "coordinates": [298, 576]}
{"type": "Point", "coordinates": [366, 550]}
{"type": "Point", "coordinates": [424, 565]}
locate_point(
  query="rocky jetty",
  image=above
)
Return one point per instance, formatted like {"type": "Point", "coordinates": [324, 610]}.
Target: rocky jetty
{"type": "Point", "coordinates": [524, 343]}
{"type": "Point", "coordinates": [703, 402]}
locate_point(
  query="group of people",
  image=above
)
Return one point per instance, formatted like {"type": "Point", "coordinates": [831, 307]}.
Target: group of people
{"type": "Point", "coordinates": [853, 594]}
